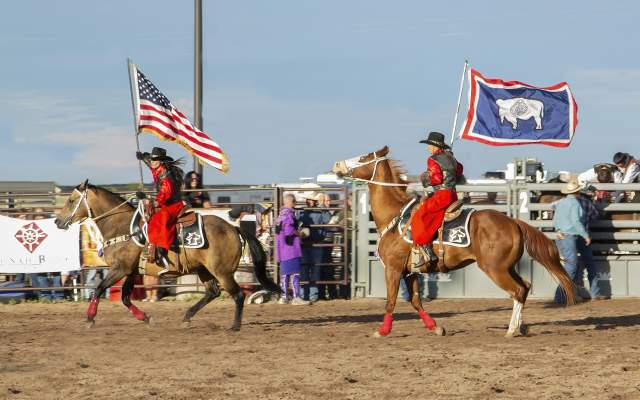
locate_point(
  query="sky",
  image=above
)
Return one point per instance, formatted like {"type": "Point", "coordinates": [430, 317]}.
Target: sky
{"type": "Point", "coordinates": [292, 86]}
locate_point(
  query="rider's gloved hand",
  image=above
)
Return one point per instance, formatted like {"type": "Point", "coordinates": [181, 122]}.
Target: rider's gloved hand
{"type": "Point", "coordinates": [141, 195]}
{"type": "Point", "coordinates": [141, 156]}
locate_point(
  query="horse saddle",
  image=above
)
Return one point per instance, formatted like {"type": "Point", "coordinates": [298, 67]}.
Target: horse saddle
{"type": "Point", "coordinates": [189, 229]}
{"type": "Point", "coordinates": [455, 227]}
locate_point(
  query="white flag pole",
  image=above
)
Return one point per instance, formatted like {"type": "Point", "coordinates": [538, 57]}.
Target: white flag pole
{"type": "Point", "coordinates": [455, 118]}
{"type": "Point", "coordinates": [133, 84]}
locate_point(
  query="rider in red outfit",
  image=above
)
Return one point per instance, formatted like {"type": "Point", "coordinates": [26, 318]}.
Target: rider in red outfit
{"type": "Point", "coordinates": [443, 171]}
{"type": "Point", "coordinates": [162, 225]}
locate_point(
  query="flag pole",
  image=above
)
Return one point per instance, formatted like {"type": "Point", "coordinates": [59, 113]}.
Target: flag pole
{"type": "Point", "coordinates": [455, 118]}
{"type": "Point", "coordinates": [197, 75]}
{"type": "Point", "coordinates": [133, 79]}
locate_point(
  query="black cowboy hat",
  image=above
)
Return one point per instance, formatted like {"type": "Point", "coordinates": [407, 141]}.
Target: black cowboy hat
{"type": "Point", "coordinates": [160, 154]}
{"type": "Point", "coordinates": [435, 139]}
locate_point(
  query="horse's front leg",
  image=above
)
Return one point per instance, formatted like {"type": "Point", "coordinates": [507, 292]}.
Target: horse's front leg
{"type": "Point", "coordinates": [413, 285]}
{"type": "Point", "coordinates": [113, 276]}
{"type": "Point", "coordinates": [392, 277]}
{"type": "Point", "coordinates": [127, 290]}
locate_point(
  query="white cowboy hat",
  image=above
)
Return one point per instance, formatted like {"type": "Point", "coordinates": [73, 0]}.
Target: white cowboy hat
{"type": "Point", "coordinates": [572, 187]}
{"type": "Point", "coordinates": [310, 195]}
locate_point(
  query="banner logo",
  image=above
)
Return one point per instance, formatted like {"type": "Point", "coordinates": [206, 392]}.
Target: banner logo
{"type": "Point", "coordinates": [30, 236]}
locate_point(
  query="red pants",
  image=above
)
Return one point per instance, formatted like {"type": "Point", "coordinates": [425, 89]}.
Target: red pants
{"type": "Point", "coordinates": [162, 226]}
{"type": "Point", "coordinates": [427, 220]}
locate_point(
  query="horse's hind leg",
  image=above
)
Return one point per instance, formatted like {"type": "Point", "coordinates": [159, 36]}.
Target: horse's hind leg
{"type": "Point", "coordinates": [509, 281]}
{"type": "Point", "coordinates": [211, 292]}
{"type": "Point", "coordinates": [127, 289]}
{"type": "Point", "coordinates": [413, 286]}
{"type": "Point", "coordinates": [230, 285]}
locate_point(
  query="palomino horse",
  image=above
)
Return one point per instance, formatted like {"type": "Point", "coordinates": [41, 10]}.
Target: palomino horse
{"type": "Point", "coordinates": [497, 243]}
{"type": "Point", "coordinates": [215, 264]}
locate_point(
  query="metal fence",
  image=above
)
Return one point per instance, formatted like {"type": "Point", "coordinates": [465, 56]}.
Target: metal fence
{"type": "Point", "coordinates": [615, 244]}
{"type": "Point", "coordinates": [242, 199]}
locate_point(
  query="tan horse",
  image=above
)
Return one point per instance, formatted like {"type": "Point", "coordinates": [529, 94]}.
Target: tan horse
{"type": "Point", "coordinates": [215, 264]}
{"type": "Point", "coordinates": [497, 243]}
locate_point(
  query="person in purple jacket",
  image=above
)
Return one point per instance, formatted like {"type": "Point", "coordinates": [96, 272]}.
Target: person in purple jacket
{"type": "Point", "coordinates": [289, 251]}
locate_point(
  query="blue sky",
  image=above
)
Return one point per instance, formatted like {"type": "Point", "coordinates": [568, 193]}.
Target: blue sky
{"type": "Point", "coordinates": [292, 86]}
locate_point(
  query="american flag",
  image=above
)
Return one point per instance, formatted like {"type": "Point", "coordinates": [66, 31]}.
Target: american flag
{"type": "Point", "coordinates": [155, 114]}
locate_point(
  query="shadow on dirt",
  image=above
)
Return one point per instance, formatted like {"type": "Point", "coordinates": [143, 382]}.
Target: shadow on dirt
{"type": "Point", "coordinates": [600, 323]}
{"type": "Point", "coordinates": [370, 318]}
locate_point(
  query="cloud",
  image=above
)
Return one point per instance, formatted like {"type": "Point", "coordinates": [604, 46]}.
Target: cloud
{"type": "Point", "coordinates": [105, 148]}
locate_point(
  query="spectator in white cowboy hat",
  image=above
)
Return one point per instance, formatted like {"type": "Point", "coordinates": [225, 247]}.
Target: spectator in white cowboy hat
{"type": "Point", "coordinates": [571, 232]}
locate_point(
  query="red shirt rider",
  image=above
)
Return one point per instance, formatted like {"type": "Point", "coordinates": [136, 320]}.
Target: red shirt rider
{"type": "Point", "coordinates": [162, 225]}
{"type": "Point", "coordinates": [443, 171]}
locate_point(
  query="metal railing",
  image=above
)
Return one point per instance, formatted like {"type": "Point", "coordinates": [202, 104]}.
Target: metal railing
{"type": "Point", "coordinates": [53, 201]}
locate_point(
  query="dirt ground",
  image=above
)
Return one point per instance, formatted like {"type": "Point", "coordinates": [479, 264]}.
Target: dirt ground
{"type": "Point", "coordinates": [321, 351]}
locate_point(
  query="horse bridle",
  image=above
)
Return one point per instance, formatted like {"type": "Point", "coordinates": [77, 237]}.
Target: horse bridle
{"type": "Point", "coordinates": [355, 162]}
{"type": "Point", "coordinates": [83, 200]}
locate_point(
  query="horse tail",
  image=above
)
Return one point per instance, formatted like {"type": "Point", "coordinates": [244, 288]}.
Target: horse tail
{"type": "Point", "coordinates": [543, 250]}
{"type": "Point", "coordinates": [259, 258]}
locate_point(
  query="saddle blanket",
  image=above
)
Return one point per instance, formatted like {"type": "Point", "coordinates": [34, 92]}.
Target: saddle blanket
{"type": "Point", "coordinates": [189, 237]}
{"type": "Point", "coordinates": [455, 232]}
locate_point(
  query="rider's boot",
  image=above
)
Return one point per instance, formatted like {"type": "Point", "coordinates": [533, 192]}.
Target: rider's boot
{"type": "Point", "coordinates": [431, 256]}
{"type": "Point", "coordinates": [421, 255]}
{"type": "Point", "coordinates": [163, 260]}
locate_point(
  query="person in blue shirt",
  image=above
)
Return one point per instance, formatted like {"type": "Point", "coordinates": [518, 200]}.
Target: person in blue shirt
{"type": "Point", "coordinates": [571, 232]}
{"type": "Point", "coordinates": [313, 255]}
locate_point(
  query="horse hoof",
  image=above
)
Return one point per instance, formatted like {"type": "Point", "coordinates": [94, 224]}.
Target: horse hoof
{"type": "Point", "coordinates": [90, 324]}
{"type": "Point", "coordinates": [377, 335]}
{"type": "Point", "coordinates": [524, 330]}
{"type": "Point", "coordinates": [439, 331]}
{"type": "Point", "coordinates": [149, 321]}
{"type": "Point", "coordinates": [233, 329]}
{"type": "Point", "coordinates": [186, 324]}
{"type": "Point", "coordinates": [509, 334]}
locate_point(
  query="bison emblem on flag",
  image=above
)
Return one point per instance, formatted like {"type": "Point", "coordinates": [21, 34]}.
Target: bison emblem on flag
{"type": "Point", "coordinates": [503, 113]}
{"type": "Point", "coordinates": [514, 109]}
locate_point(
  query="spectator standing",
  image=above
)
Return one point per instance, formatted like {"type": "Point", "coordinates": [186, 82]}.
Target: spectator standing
{"type": "Point", "coordinates": [151, 293]}
{"type": "Point", "coordinates": [570, 231]}
{"type": "Point", "coordinates": [195, 198]}
{"type": "Point", "coordinates": [585, 259]}
{"type": "Point", "coordinates": [289, 251]}
{"type": "Point", "coordinates": [312, 255]}
{"type": "Point", "coordinates": [44, 279]}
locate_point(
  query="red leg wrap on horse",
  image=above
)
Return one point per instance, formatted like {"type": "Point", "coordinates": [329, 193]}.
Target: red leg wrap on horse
{"type": "Point", "coordinates": [140, 315]}
{"type": "Point", "coordinates": [93, 308]}
{"type": "Point", "coordinates": [385, 329]}
{"type": "Point", "coordinates": [427, 320]}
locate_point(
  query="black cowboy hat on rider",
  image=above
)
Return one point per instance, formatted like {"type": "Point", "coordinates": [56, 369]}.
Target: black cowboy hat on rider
{"type": "Point", "coordinates": [443, 171]}
{"type": "Point", "coordinates": [167, 178]}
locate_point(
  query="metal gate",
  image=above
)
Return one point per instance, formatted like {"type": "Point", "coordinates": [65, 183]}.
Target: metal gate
{"type": "Point", "coordinates": [619, 262]}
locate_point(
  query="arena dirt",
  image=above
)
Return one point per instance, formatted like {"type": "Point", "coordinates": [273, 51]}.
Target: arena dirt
{"type": "Point", "coordinates": [322, 351]}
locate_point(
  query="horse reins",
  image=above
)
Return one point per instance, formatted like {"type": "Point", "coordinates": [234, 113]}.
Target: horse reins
{"type": "Point", "coordinates": [353, 164]}
{"type": "Point", "coordinates": [90, 217]}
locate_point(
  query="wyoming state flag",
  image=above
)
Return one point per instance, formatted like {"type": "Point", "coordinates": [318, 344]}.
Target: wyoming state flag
{"type": "Point", "coordinates": [503, 113]}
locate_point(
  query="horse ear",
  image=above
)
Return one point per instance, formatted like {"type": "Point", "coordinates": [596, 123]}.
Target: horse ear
{"type": "Point", "coordinates": [84, 184]}
{"type": "Point", "coordinates": [383, 151]}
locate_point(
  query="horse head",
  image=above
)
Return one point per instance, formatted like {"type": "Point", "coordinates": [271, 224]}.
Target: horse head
{"type": "Point", "coordinates": [361, 167]}
{"type": "Point", "coordinates": [76, 208]}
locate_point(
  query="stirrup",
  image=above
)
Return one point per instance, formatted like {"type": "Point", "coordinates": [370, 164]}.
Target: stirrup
{"type": "Point", "coordinates": [418, 259]}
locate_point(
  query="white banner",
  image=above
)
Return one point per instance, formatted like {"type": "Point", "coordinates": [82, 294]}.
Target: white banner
{"type": "Point", "coordinates": [37, 246]}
